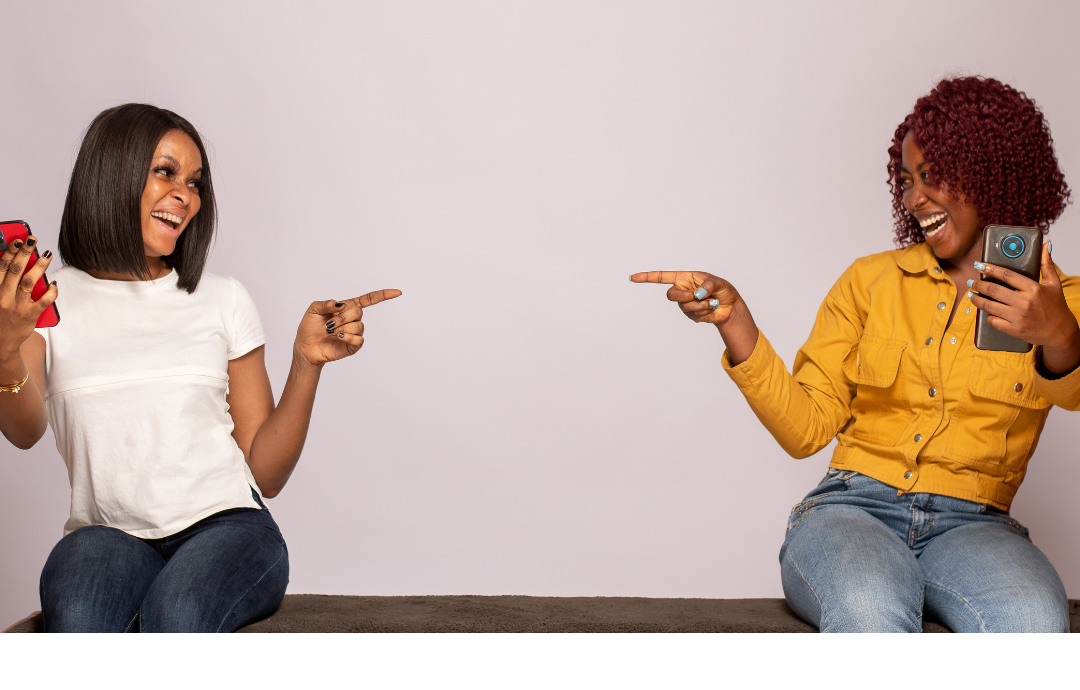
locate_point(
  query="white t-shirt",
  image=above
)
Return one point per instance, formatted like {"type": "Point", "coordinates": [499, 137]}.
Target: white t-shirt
{"type": "Point", "coordinates": [136, 374]}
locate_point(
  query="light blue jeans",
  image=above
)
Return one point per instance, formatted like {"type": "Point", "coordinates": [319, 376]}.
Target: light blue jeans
{"type": "Point", "coordinates": [860, 558]}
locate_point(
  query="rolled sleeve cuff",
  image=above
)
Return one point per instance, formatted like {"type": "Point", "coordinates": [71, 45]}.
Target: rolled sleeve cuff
{"type": "Point", "coordinates": [751, 371]}
{"type": "Point", "coordinates": [1063, 392]}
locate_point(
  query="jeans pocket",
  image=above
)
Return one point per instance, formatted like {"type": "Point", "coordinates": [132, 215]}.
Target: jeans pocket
{"type": "Point", "coordinates": [1005, 519]}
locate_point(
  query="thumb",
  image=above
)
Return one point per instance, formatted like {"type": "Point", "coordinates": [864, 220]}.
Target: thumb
{"type": "Point", "coordinates": [325, 307]}
{"type": "Point", "coordinates": [1047, 269]}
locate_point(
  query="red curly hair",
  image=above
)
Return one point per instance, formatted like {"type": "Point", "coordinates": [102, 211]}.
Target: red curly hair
{"type": "Point", "coordinates": [989, 142]}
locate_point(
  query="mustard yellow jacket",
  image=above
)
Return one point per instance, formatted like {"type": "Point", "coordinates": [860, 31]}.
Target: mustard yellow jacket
{"type": "Point", "coordinates": [910, 404]}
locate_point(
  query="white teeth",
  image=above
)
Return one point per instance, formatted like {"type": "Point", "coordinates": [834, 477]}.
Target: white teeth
{"type": "Point", "coordinates": [931, 220]}
{"type": "Point", "coordinates": [167, 216]}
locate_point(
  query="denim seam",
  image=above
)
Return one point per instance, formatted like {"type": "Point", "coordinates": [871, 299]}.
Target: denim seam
{"type": "Point", "coordinates": [127, 628]}
{"type": "Point", "coordinates": [982, 623]}
{"type": "Point", "coordinates": [911, 525]}
{"type": "Point", "coordinates": [250, 589]}
{"type": "Point", "coordinates": [821, 607]}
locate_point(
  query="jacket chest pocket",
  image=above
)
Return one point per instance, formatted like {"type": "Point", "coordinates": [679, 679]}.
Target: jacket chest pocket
{"type": "Point", "coordinates": [1000, 399]}
{"type": "Point", "coordinates": [876, 366]}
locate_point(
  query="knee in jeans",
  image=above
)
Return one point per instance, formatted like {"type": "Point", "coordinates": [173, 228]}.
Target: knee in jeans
{"type": "Point", "coordinates": [1032, 611]}
{"type": "Point", "coordinates": [872, 610]}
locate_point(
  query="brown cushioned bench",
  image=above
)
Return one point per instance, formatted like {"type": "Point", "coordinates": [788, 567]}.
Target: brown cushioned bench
{"type": "Point", "coordinates": [332, 613]}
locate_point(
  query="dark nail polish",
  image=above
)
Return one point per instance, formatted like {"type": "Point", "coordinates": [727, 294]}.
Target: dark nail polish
{"type": "Point", "coordinates": [17, 244]}
{"type": "Point", "coordinates": [31, 242]}
{"type": "Point", "coordinates": [339, 305]}
{"type": "Point", "coordinates": [47, 254]}
{"type": "Point", "coordinates": [341, 335]}
{"type": "Point", "coordinates": [329, 324]}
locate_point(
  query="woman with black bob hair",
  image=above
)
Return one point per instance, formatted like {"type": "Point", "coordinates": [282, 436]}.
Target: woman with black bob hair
{"type": "Point", "coordinates": [933, 435]}
{"type": "Point", "coordinates": [157, 392]}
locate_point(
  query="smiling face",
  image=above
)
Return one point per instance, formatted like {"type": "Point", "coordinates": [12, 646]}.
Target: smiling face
{"type": "Point", "coordinates": [171, 196]}
{"type": "Point", "coordinates": [950, 224]}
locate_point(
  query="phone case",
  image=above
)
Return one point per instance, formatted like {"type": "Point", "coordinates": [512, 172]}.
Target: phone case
{"type": "Point", "coordinates": [1020, 250]}
{"type": "Point", "coordinates": [11, 230]}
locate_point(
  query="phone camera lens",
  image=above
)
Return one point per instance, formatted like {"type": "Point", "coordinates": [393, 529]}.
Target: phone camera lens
{"type": "Point", "coordinates": [1012, 246]}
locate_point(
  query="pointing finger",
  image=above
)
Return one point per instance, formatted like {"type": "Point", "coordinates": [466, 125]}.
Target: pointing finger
{"type": "Point", "coordinates": [378, 296]}
{"type": "Point", "coordinates": [664, 277]}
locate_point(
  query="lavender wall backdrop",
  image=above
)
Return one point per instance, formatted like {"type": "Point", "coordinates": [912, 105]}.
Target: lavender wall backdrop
{"type": "Point", "coordinates": [524, 420]}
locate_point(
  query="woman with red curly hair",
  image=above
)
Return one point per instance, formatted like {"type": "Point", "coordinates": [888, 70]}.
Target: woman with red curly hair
{"type": "Point", "coordinates": [933, 435]}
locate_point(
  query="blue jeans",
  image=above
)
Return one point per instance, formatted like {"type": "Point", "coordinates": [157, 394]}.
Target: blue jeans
{"type": "Point", "coordinates": [860, 558]}
{"type": "Point", "coordinates": [220, 574]}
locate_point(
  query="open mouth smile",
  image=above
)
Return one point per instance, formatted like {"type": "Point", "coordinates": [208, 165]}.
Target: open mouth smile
{"type": "Point", "coordinates": [931, 225]}
{"type": "Point", "coordinates": [168, 221]}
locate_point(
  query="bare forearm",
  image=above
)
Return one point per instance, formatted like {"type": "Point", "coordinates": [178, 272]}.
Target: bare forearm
{"type": "Point", "coordinates": [739, 332]}
{"type": "Point", "coordinates": [279, 441]}
{"type": "Point", "coordinates": [22, 415]}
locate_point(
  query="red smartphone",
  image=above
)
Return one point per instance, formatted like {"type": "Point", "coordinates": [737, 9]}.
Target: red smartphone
{"type": "Point", "coordinates": [11, 230]}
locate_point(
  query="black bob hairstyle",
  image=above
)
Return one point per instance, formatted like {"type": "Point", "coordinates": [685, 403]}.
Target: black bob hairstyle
{"type": "Point", "coordinates": [101, 228]}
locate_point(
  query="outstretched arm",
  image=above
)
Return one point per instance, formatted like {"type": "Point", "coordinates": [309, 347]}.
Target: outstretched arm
{"type": "Point", "coordinates": [272, 437]}
{"type": "Point", "coordinates": [705, 298]}
{"type": "Point", "coordinates": [803, 411]}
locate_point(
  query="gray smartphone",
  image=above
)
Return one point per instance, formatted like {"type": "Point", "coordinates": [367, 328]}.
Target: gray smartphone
{"type": "Point", "coordinates": [1017, 249]}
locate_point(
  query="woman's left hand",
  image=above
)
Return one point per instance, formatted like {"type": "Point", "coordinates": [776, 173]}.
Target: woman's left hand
{"type": "Point", "coordinates": [332, 330]}
{"type": "Point", "coordinates": [1035, 312]}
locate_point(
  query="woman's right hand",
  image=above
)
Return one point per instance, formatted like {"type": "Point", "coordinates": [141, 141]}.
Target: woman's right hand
{"type": "Point", "coordinates": [705, 298]}
{"type": "Point", "coordinates": [18, 311]}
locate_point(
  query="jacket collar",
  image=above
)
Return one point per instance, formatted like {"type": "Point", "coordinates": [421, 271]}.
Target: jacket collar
{"type": "Point", "coordinates": [917, 258]}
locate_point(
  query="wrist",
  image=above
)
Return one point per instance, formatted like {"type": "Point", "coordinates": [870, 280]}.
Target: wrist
{"type": "Point", "coordinates": [11, 364]}
{"type": "Point", "coordinates": [1061, 357]}
{"type": "Point", "coordinates": [1070, 341]}
{"type": "Point", "coordinates": [302, 364]}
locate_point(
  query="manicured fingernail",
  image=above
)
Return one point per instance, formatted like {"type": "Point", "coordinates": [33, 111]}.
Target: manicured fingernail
{"type": "Point", "coordinates": [341, 335]}
{"type": "Point", "coordinates": [31, 242]}
{"type": "Point", "coordinates": [17, 244]}
{"type": "Point", "coordinates": [700, 293]}
{"type": "Point", "coordinates": [47, 254]}
{"type": "Point", "coordinates": [339, 305]}
{"type": "Point", "coordinates": [971, 281]}
{"type": "Point", "coordinates": [1050, 246]}
{"type": "Point", "coordinates": [979, 265]}
{"type": "Point", "coordinates": [969, 294]}
{"type": "Point", "coordinates": [714, 303]}
{"type": "Point", "coordinates": [329, 324]}
{"type": "Point", "coordinates": [631, 279]}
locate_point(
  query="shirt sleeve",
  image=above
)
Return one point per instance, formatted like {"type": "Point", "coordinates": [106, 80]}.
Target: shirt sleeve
{"type": "Point", "coordinates": [804, 410]}
{"type": "Point", "coordinates": [1064, 391]}
{"type": "Point", "coordinates": [247, 331]}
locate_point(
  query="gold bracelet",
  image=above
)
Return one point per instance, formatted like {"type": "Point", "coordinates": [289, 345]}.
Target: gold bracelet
{"type": "Point", "coordinates": [15, 388]}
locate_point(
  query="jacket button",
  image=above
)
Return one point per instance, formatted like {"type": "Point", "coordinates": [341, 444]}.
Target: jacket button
{"type": "Point", "coordinates": [918, 437]}
{"type": "Point", "coordinates": [1018, 387]}
{"type": "Point", "coordinates": [937, 270]}
{"type": "Point", "coordinates": [952, 341]}
{"type": "Point", "coordinates": [933, 391]}
{"type": "Point", "coordinates": [907, 475]}
{"type": "Point", "coordinates": [929, 341]}
{"type": "Point", "coordinates": [940, 305]}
